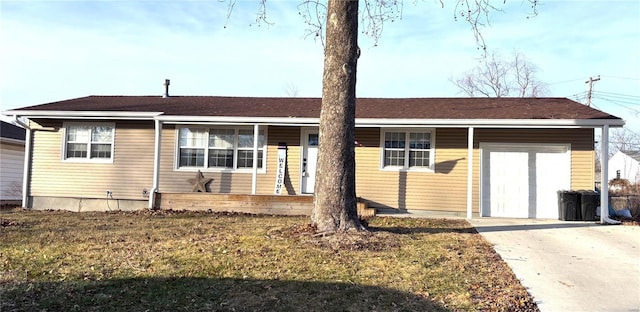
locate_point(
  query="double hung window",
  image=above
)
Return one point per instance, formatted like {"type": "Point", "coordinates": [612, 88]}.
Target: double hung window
{"type": "Point", "coordinates": [407, 149]}
{"type": "Point", "coordinates": [92, 142]}
{"type": "Point", "coordinates": [219, 148]}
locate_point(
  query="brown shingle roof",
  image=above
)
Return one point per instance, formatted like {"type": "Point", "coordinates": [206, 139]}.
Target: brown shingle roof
{"type": "Point", "coordinates": [398, 108]}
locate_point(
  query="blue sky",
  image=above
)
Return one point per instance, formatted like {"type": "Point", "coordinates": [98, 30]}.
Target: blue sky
{"type": "Point", "coordinates": [55, 50]}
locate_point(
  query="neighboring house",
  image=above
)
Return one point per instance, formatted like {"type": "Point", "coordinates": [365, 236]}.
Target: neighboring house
{"type": "Point", "coordinates": [502, 157]}
{"type": "Point", "coordinates": [625, 165]}
{"type": "Point", "coordinates": [11, 163]}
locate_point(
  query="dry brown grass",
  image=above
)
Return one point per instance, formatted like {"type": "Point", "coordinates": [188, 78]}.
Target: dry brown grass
{"type": "Point", "coordinates": [161, 261]}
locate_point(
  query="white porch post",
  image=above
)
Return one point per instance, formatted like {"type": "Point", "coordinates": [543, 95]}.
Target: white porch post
{"type": "Point", "coordinates": [604, 178]}
{"type": "Point", "coordinates": [26, 170]}
{"type": "Point", "coordinates": [156, 164]}
{"type": "Point", "coordinates": [470, 174]}
{"type": "Point", "coordinates": [254, 178]}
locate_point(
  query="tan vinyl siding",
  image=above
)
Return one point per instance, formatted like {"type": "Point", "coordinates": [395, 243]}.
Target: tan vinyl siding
{"type": "Point", "coordinates": [444, 189]}
{"type": "Point", "coordinates": [291, 136]}
{"type": "Point", "coordinates": [130, 172]}
{"type": "Point", "coordinates": [581, 141]}
{"type": "Point", "coordinates": [172, 180]}
{"type": "Point", "coordinates": [176, 181]}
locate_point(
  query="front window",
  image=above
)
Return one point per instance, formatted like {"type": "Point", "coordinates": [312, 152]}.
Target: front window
{"type": "Point", "coordinates": [89, 142]}
{"type": "Point", "coordinates": [219, 148]}
{"type": "Point", "coordinates": [407, 149]}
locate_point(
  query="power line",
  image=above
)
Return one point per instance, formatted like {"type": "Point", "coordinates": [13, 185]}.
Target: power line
{"type": "Point", "coordinates": [619, 95]}
{"type": "Point", "coordinates": [566, 81]}
{"type": "Point", "coordinates": [596, 96]}
{"type": "Point", "coordinates": [618, 77]}
{"type": "Point", "coordinates": [622, 105]}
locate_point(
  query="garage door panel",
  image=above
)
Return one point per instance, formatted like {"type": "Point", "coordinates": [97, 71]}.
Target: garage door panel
{"type": "Point", "coordinates": [554, 173]}
{"type": "Point", "coordinates": [521, 181]}
{"type": "Point", "coordinates": [507, 181]}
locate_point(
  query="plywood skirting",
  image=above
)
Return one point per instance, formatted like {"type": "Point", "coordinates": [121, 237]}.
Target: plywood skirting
{"type": "Point", "coordinates": [258, 204]}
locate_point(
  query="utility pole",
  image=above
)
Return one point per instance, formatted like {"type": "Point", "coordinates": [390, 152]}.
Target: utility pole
{"type": "Point", "coordinates": [590, 82]}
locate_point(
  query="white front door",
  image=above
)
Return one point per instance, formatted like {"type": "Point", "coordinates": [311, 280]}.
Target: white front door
{"type": "Point", "coordinates": [522, 181]}
{"type": "Point", "coordinates": [309, 159]}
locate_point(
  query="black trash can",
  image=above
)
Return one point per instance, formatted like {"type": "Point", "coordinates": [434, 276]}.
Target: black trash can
{"type": "Point", "coordinates": [568, 205]}
{"type": "Point", "coordinates": [589, 202]}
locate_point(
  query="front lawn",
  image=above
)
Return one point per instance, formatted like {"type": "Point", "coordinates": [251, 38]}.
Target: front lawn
{"type": "Point", "coordinates": [187, 261]}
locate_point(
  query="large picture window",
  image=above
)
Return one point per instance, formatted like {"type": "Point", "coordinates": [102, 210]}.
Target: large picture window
{"type": "Point", "coordinates": [407, 149]}
{"type": "Point", "coordinates": [219, 148]}
{"type": "Point", "coordinates": [92, 142]}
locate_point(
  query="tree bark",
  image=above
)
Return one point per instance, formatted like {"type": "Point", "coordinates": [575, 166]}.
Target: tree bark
{"type": "Point", "coordinates": [335, 188]}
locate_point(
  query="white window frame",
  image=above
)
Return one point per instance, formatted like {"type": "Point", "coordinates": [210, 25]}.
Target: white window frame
{"type": "Point", "coordinates": [91, 125]}
{"type": "Point", "coordinates": [407, 149]}
{"type": "Point", "coordinates": [207, 148]}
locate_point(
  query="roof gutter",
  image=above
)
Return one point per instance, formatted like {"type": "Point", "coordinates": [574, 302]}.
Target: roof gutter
{"type": "Point", "coordinates": [308, 121]}
{"type": "Point", "coordinates": [388, 122]}
{"type": "Point", "coordinates": [20, 122]}
{"type": "Point", "coordinates": [239, 120]}
{"type": "Point", "coordinates": [491, 123]}
{"type": "Point", "coordinates": [83, 114]}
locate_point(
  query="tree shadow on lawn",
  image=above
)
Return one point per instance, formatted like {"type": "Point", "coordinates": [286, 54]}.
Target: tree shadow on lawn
{"type": "Point", "coordinates": [207, 294]}
{"type": "Point", "coordinates": [421, 230]}
{"type": "Point", "coordinates": [422, 226]}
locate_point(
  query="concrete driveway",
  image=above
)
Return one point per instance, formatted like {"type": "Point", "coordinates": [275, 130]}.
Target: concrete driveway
{"type": "Point", "coordinates": [570, 266]}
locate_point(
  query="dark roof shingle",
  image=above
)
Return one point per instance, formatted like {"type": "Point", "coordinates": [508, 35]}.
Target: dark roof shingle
{"type": "Point", "coordinates": [398, 108]}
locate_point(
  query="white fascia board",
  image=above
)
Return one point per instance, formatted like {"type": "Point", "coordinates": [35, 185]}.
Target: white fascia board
{"type": "Point", "coordinates": [490, 123]}
{"type": "Point", "coordinates": [82, 114]}
{"type": "Point", "coordinates": [387, 122]}
{"type": "Point", "coordinates": [288, 121]}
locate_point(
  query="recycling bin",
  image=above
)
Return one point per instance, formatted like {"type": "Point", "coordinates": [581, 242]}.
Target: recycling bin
{"type": "Point", "coordinates": [569, 205]}
{"type": "Point", "coordinates": [589, 202]}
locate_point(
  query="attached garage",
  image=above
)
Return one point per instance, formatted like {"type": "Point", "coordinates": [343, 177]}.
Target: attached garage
{"type": "Point", "coordinates": [522, 180]}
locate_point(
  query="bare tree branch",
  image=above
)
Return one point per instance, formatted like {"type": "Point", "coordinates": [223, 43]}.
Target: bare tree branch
{"type": "Point", "coordinates": [376, 13]}
{"type": "Point", "coordinates": [314, 14]}
{"type": "Point", "coordinates": [476, 13]}
{"type": "Point", "coordinates": [497, 77]}
{"type": "Point", "coordinates": [623, 140]}
{"type": "Point", "coordinates": [291, 89]}
{"type": "Point", "coordinates": [261, 16]}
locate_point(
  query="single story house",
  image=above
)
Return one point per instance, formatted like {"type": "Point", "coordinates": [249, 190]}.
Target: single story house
{"type": "Point", "coordinates": [492, 157]}
{"type": "Point", "coordinates": [11, 162]}
{"type": "Point", "coordinates": [625, 165]}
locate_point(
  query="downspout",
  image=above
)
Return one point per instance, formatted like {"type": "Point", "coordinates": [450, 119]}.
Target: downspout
{"type": "Point", "coordinates": [20, 122]}
{"type": "Point", "coordinates": [26, 171]}
{"type": "Point", "coordinates": [254, 176]}
{"type": "Point", "coordinates": [156, 164]}
{"type": "Point", "coordinates": [470, 174]}
{"type": "Point", "coordinates": [604, 178]}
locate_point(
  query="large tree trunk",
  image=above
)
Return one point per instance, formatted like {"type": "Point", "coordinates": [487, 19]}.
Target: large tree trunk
{"type": "Point", "coordinates": [335, 188]}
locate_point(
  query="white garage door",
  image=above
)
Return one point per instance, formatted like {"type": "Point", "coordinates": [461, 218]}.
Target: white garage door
{"type": "Point", "coordinates": [521, 181]}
